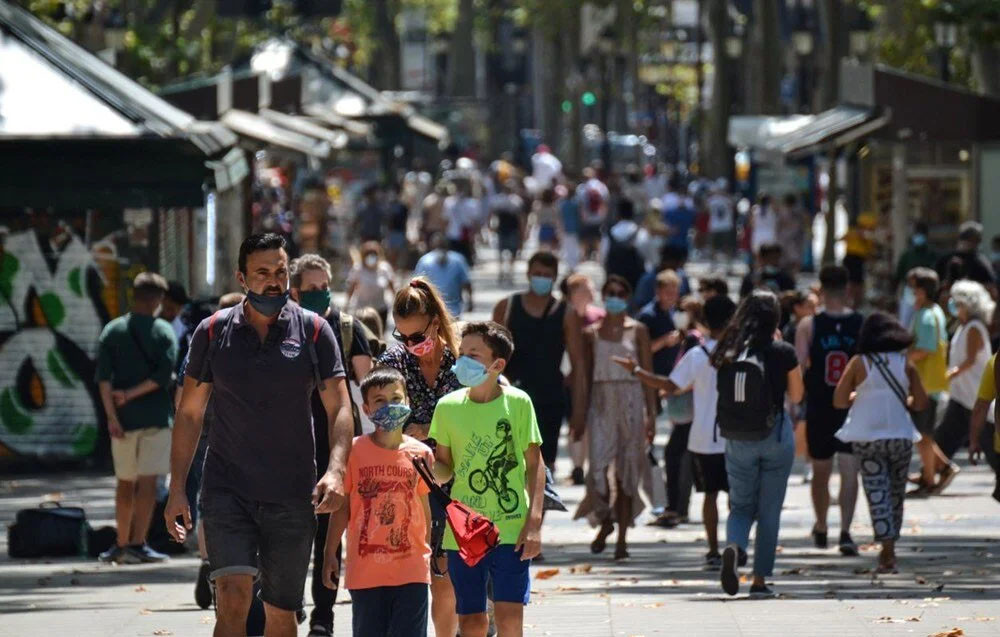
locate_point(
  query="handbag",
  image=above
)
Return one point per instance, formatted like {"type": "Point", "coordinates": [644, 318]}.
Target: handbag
{"type": "Point", "coordinates": [49, 530]}
{"type": "Point", "coordinates": [475, 534]}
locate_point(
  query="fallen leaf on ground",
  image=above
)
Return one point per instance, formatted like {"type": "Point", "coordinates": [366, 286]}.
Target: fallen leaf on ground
{"type": "Point", "coordinates": [654, 605]}
{"type": "Point", "coordinates": [547, 574]}
{"type": "Point", "coordinates": [921, 580]}
{"type": "Point", "coordinates": [954, 632]}
{"type": "Point", "coordinates": [140, 589]}
{"type": "Point", "coordinates": [145, 611]}
{"type": "Point", "coordinates": [794, 571]}
{"type": "Point", "coordinates": [581, 568]}
{"type": "Point", "coordinates": [862, 571]}
{"type": "Point", "coordinates": [162, 631]}
{"type": "Point", "coordinates": [894, 620]}
{"type": "Point", "coordinates": [568, 589]}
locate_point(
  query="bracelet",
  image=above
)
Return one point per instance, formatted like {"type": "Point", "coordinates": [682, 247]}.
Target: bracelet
{"type": "Point", "coordinates": [636, 370]}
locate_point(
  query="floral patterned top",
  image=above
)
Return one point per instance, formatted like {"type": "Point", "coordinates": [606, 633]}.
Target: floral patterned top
{"type": "Point", "coordinates": [423, 399]}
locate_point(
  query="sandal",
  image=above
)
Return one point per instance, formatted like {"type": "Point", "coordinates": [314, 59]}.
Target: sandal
{"type": "Point", "coordinates": [621, 553]}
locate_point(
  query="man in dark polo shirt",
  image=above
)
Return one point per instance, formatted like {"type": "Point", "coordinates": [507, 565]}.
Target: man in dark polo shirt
{"type": "Point", "coordinates": [261, 361]}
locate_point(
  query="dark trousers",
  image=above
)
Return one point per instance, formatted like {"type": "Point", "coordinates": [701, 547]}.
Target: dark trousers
{"type": "Point", "coordinates": [953, 431]}
{"type": "Point", "coordinates": [390, 611]}
{"type": "Point", "coordinates": [679, 472]}
{"type": "Point", "coordinates": [323, 597]}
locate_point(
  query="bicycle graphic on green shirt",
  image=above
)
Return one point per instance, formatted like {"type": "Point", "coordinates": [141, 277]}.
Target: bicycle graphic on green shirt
{"type": "Point", "coordinates": [502, 460]}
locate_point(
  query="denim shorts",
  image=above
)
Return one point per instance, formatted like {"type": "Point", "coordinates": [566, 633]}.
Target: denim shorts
{"type": "Point", "coordinates": [503, 565]}
{"type": "Point", "coordinates": [250, 537]}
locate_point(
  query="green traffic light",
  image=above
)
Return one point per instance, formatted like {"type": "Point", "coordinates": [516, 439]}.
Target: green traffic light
{"type": "Point", "coordinates": [588, 98]}
{"type": "Point", "coordinates": [567, 106]}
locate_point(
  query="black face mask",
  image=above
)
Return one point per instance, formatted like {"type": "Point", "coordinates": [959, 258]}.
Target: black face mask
{"type": "Point", "coordinates": [266, 304]}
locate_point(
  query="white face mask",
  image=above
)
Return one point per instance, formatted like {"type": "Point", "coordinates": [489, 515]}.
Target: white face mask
{"type": "Point", "coordinates": [371, 260]}
{"type": "Point", "coordinates": [681, 321]}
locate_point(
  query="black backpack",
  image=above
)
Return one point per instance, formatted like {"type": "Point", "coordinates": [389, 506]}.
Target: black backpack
{"type": "Point", "coordinates": [625, 260]}
{"type": "Point", "coordinates": [745, 408]}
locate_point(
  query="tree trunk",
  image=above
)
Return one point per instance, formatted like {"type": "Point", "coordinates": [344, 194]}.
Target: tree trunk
{"type": "Point", "coordinates": [832, 49]}
{"type": "Point", "coordinates": [716, 155]}
{"type": "Point", "coordinates": [764, 60]}
{"type": "Point", "coordinates": [574, 86]}
{"type": "Point", "coordinates": [385, 63]}
{"type": "Point", "coordinates": [462, 55]}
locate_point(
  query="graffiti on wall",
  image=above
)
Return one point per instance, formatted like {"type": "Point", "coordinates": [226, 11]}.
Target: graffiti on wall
{"type": "Point", "coordinates": [52, 310]}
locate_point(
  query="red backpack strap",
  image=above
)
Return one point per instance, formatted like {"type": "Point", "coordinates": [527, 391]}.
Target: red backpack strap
{"type": "Point", "coordinates": [316, 327]}
{"type": "Point", "coordinates": [211, 325]}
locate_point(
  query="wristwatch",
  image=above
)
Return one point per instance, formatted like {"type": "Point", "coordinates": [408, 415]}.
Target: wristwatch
{"type": "Point", "coordinates": [635, 370]}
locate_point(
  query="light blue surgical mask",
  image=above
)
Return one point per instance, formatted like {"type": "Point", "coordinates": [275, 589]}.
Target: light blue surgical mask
{"type": "Point", "coordinates": [952, 307]}
{"type": "Point", "coordinates": [541, 285]}
{"type": "Point", "coordinates": [919, 239]}
{"type": "Point", "coordinates": [909, 298]}
{"type": "Point", "coordinates": [470, 372]}
{"type": "Point", "coordinates": [389, 418]}
{"type": "Point", "coordinates": [615, 305]}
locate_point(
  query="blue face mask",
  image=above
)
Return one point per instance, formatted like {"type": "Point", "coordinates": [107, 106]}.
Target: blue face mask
{"type": "Point", "coordinates": [541, 285]}
{"type": "Point", "coordinates": [919, 239]}
{"type": "Point", "coordinates": [952, 307]}
{"type": "Point", "coordinates": [389, 418]}
{"type": "Point", "coordinates": [266, 304]}
{"type": "Point", "coordinates": [470, 372]}
{"type": "Point", "coordinates": [615, 305]}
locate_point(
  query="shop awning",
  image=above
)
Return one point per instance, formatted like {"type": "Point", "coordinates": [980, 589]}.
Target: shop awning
{"type": "Point", "coordinates": [300, 124]}
{"type": "Point", "coordinates": [837, 126]}
{"type": "Point", "coordinates": [267, 132]}
{"type": "Point", "coordinates": [328, 117]}
{"type": "Point", "coordinates": [76, 132]}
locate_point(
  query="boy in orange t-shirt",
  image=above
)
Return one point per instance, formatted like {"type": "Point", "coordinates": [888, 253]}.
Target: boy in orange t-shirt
{"type": "Point", "coordinates": [387, 518]}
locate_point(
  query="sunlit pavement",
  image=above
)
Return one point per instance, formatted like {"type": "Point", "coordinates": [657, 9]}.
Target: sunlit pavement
{"type": "Point", "coordinates": [948, 577]}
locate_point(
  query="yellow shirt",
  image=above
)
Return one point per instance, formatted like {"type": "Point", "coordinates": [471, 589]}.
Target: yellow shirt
{"type": "Point", "coordinates": [988, 392]}
{"type": "Point", "coordinates": [856, 243]}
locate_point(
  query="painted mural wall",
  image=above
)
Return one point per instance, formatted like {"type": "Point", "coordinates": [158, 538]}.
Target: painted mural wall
{"type": "Point", "coordinates": [51, 316]}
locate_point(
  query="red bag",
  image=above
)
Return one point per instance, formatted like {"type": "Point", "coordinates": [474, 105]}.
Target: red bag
{"type": "Point", "coordinates": [475, 534]}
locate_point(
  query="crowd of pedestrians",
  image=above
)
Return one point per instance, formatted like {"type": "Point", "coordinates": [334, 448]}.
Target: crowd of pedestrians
{"type": "Point", "coordinates": [299, 423]}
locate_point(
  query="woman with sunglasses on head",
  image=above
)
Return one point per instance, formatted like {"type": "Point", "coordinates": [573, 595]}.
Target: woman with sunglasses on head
{"type": "Point", "coordinates": [620, 418]}
{"type": "Point", "coordinates": [424, 352]}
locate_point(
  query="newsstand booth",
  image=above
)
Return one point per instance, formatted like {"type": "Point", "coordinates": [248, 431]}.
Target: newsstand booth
{"type": "Point", "coordinates": [99, 180]}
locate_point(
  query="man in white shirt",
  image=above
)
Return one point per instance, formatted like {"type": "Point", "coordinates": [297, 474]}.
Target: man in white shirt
{"type": "Point", "coordinates": [545, 167]}
{"type": "Point", "coordinates": [708, 449]}
{"type": "Point", "coordinates": [463, 214]}
{"type": "Point", "coordinates": [720, 223]}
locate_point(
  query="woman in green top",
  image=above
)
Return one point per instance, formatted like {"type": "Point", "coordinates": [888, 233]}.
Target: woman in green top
{"type": "Point", "coordinates": [929, 355]}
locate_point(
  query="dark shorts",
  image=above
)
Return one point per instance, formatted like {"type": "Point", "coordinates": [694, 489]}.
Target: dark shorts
{"type": "Point", "coordinates": [821, 437]}
{"type": "Point", "coordinates": [855, 268]}
{"type": "Point", "coordinates": [710, 472]}
{"type": "Point", "coordinates": [249, 537]}
{"type": "Point", "coordinates": [509, 241]}
{"type": "Point", "coordinates": [503, 565]}
{"type": "Point", "coordinates": [589, 232]}
{"type": "Point", "coordinates": [925, 420]}
{"type": "Point", "coordinates": [953, 431]}
{"type": "Point", "coordinates": [399, 611]}
{"type": "Point", "coordinates": [724, 240]}
{"type": "Point", "coordinates": [550, 420]}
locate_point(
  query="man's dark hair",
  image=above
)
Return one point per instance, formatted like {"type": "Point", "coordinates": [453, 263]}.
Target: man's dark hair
{"type": "Point", "coordinates": [496, 336]}
{"type": "Point", "coordinates": [259, 243]}
{"type": "Point", "coordinates": [971, 231]}
{"type": "Point", "coordinates": [925, 279]}
{"type": "Point", "coordinates": [545, 259]}
{"type": "Point", "coordinates": [381, 377]}
{"type": "Point", "coordinates": [673, 256]}
{"type": "Point", "coordinates": [882, 333]}
{"type": "Point", "coordinates": [626, 209]}
{"type": "Point", "coordinates": [716, 284]}
{"type": "Point", "coordinates": [177, 293]}
{"type": "Point", "coordinates": [718, 311]}
{"type": "Point", "coordinates": [770, 250]}
{"type": "Point", "coordinates": [834, 278]}
{"type": "Point", "coordinates": [149, 286]}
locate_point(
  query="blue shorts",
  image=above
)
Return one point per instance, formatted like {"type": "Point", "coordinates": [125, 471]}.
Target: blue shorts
{"type": "Point", "coordinates": [511, 579]}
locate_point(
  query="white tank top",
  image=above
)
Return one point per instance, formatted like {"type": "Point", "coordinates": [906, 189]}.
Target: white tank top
{"type": "Point", "coordinates": [877, 413]}
{"type": "Point", "coordinates": [964, 387]}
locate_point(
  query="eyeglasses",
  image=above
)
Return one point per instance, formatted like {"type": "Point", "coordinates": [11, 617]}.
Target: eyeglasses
{"type": "Point", "coordinates": [412, 339]}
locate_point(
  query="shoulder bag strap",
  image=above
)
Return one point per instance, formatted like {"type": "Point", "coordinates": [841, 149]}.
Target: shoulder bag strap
{"type": "Point", "coordinates": [425, 473]}
{"type": "Point", "coordinates": [891, 380]}
{"type": "Point", "coordinates": [311, 346]}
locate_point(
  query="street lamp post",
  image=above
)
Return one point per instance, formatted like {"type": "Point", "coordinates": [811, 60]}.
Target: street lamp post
{"type": "Point", "coordinates": [946, 36]}
{"type": "Point", "coordinates": [803, 42]}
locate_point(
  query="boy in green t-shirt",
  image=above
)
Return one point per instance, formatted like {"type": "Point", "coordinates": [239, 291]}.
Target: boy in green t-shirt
{"type": "Point", "coordinates": [488, 438]}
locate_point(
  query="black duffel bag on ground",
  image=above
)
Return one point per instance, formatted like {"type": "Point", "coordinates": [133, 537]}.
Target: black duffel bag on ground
{"type": "Point", "coordinates": [50, 530]}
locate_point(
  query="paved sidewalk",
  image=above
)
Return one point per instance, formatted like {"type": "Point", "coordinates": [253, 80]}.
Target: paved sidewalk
{"type": "Point", "coordinates": [948, 560]}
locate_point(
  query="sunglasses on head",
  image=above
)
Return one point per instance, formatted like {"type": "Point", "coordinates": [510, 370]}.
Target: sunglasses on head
{"type": "Point", "coordinates": [412, 339]}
